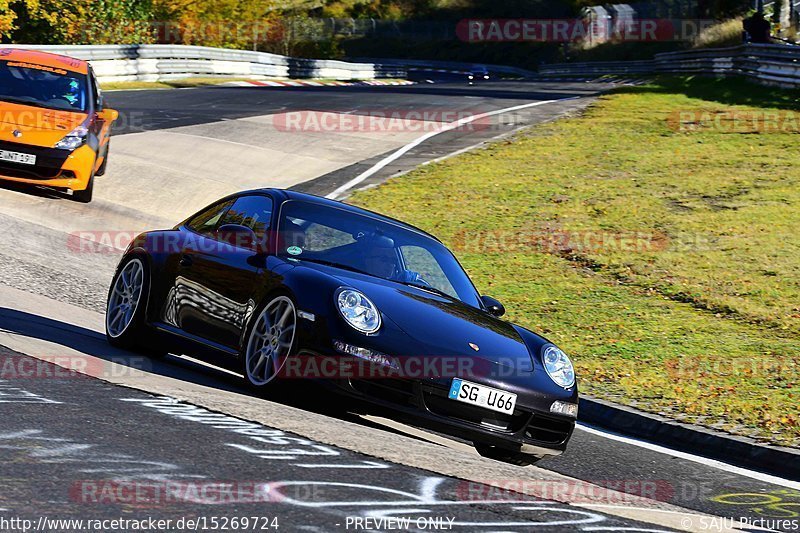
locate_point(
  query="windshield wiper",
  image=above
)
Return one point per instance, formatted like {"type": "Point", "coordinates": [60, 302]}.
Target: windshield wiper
{"type": "Point", "coordinates": [427, 288]}
{"type": "Point", "coordinates": [354, 269]}
{"type": "Point", "coordinates": [331, 263]}
{"type": "Point", "coordinates": [32, 103]}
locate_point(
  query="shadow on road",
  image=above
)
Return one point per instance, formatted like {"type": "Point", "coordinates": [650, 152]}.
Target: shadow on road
{"type": "Point", "coordinates": [308, 396]}
{"type": "Point", "coordinates": [94, 344]}
{"type": "Point", "coordinates": [35, 190]}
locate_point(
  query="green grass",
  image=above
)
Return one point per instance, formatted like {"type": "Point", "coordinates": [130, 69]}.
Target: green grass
{"type": "Point", "coordinates": [678, 290]}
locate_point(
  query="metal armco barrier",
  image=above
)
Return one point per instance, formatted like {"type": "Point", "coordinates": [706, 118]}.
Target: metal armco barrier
{"type": "Point", "coordinates": [448, 66]}
{"type": "Point", "coordinates": [769, 64]}
{"type": "Point", "coordinates": [154, 62]}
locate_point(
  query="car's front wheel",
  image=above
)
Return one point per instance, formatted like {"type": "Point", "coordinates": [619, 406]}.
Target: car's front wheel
{"type": "Point", "coordinates": [84, 196]}
{"type": "Point", "coordinates": [507, 456]}
{"type": "Point", "coordinates": [270, 341]}
{"type": "Point", "coordinates": [127, 300]}
{"type": "Point", "coordinates": [102, 170]}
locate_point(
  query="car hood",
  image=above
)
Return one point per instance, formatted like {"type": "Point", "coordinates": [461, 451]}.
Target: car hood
{"type": "Point", "coordinates": [38, 126]}
{"type": "Point", "coordinates": [440, 326]}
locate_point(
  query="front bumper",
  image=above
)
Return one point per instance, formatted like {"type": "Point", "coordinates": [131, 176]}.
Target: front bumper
{"type": "Point", "coordinates": [426, 403]}
{"type": "Point", "coordinates": [420, 398]}
{"type": "Point", "coordinates": [53, 168]}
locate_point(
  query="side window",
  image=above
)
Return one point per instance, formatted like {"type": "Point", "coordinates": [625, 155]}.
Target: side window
{"type": "Point", "coordinates": [319, 238]}
{"type": "Point", "coordinates": [254, 212]}
{"type": "Point", "coordinates": [422, 262]}
{"type": "Point", "coordinates": [206, 221]}
{"type": "Point", "coordinates": [98, 94]}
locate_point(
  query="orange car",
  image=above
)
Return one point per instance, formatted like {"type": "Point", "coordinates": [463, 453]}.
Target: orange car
{"type": "Point", "coordinates": [54, 128]}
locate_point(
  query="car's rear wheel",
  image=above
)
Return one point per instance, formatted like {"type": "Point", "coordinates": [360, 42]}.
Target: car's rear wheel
{"type": "Point", "coordinates": [84, 196]}
{"type": "Point", "coordinates": [270, 341]}
{"type": "Point", "coordinates": [505, 455]}
{"type": "Point", "coordinates": [125, 311]}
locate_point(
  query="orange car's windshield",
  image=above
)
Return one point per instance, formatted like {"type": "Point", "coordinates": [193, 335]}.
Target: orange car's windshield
{"type": "Point", "coordinates": [43, 86]}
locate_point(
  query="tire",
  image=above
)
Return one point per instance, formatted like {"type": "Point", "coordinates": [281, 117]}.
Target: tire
{"type": "Point", "coordinates": [505, 455]}
{"type": "Point", "coordinates": [84, 196]}
{"type": "Point", "coordinates": [271, 338]}
{"type": "Point", "coordinates": [102, 170]}
{"type": "Point", "coordinates": [129, 330]}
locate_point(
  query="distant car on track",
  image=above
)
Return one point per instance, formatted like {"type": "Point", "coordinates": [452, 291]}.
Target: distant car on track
{"type": "Point", "coordinates": [268, 281]}
{"type": "Point", "coordinates": [54, 128]}
{"type": "Point", "coordinates": [477, 74]}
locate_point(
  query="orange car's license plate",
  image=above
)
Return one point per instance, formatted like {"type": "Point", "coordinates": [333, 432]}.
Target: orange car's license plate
{"type": "Point", "coordinates": [17, 157]}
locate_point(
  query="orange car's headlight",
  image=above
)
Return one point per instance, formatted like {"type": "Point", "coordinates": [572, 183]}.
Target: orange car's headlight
{"type": "Point", "coordinates": [75, 139]}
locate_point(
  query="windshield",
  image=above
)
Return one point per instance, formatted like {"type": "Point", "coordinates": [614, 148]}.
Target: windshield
{"type": "Point", "coordinates": [42, 86]}
{"type": "Point", "coordinates": [360, 243]}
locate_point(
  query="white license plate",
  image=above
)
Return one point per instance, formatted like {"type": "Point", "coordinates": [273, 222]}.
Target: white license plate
{"type": "Point", "coordinates": [482, 396]}
{"type": "Point", "coordinates": [17, 157]}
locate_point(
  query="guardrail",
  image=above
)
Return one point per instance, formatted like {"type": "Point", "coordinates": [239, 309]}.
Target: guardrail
{"type": "Point", "coordinates": [154, 62]}
{"type": "Point", "coordinates": [598, 68]}
{"type": "Point", "coordinates": [455, 66]}
{"type": "Point", "coordinates": [769, 64]}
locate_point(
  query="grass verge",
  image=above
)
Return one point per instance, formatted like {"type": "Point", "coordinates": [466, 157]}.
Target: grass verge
{"type": "Point", "coordinates": [655, 237]}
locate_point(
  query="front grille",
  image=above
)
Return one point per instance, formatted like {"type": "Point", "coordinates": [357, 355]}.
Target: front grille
{"type": "Point", "coordinates": [35, 172]}
{"type": "Point", "coordinates": [439, 404]}
{"type": "Point", "coordinates": [543, 429]}
{"type": "Point", "coordinates": [48, 162]}
{"type": "Point", "coordinates": [396, 391]}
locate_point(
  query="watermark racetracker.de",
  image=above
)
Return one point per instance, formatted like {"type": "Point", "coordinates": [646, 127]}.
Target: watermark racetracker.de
{"type": "Point", "coordinates": [578, 30]}
{"type": "Point", "coordinates": [549, 240]}
{"type": "Point", "coordinates": [734, 121]}
{"type": "Point", "coordinates": [64, 366]}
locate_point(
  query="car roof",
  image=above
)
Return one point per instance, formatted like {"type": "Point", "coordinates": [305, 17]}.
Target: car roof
{"type": "Point", "coordinates": [288, 194]}
{"type": "Point", "coordinates": [45, 59]}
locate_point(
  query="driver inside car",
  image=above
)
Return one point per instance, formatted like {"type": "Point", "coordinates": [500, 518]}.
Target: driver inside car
{"type": "Point", "coordinates": [382, 261]}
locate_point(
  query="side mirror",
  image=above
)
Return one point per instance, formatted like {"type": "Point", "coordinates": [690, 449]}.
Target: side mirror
{"type": "Point", "coordinates": [238, 235]}
{"type": "Point", "coordinates": [493, 306]}
{"type": "Point", "coordinates": [110, 115]}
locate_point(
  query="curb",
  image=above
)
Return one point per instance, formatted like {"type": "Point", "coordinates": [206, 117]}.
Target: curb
{"type": "Point", "coordinates": [739, 451]}
{"type": "Point", "coordinates": [313, 83]}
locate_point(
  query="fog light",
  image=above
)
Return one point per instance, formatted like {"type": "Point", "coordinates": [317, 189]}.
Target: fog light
{"type": "Point", "coordinates": [372, 356]}
{"type": "Point", "coordinates": [564, 408]}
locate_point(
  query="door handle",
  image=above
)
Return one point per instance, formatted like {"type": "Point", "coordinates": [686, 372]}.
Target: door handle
{"type": "Point", "coordinates": [186, 261]}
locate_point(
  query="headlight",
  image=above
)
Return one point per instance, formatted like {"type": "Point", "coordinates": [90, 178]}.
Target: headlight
{"type": "Point", "coordinates": [358, 311]}
{"type": "Point", "coordinates": [75, 139]}
{"type": "Point", "coordinates": [558, 367]}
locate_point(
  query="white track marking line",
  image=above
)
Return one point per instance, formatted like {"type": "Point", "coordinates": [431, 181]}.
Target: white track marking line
{"type": "Point", "coordinates": [713, 463]}
{"type": "Point", "coordinates": [447, 127]}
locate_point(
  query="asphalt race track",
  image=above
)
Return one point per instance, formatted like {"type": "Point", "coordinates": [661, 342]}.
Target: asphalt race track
{"type": "Point", "coordinates": [127, 437]}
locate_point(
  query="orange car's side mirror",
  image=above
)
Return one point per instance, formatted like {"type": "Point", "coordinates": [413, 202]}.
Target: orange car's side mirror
{"type": "Point", "coordinates": [110, 114]}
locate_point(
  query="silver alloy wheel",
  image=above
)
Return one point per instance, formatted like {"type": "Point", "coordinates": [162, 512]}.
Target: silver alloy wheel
{"type": "Point", "coordinates": [270, 340]}
{"type": "Point", "coordinates": [124, 298]}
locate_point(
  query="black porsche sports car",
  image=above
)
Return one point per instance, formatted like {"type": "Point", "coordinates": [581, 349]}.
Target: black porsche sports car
{"type": "Point", "coordinates": [284, 285]}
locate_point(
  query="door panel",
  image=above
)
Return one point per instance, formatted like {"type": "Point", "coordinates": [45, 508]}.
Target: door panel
{"type": "Point", "coordinates": [214, 283]}
{"type": "Point", "coordinates": [213, 291]}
